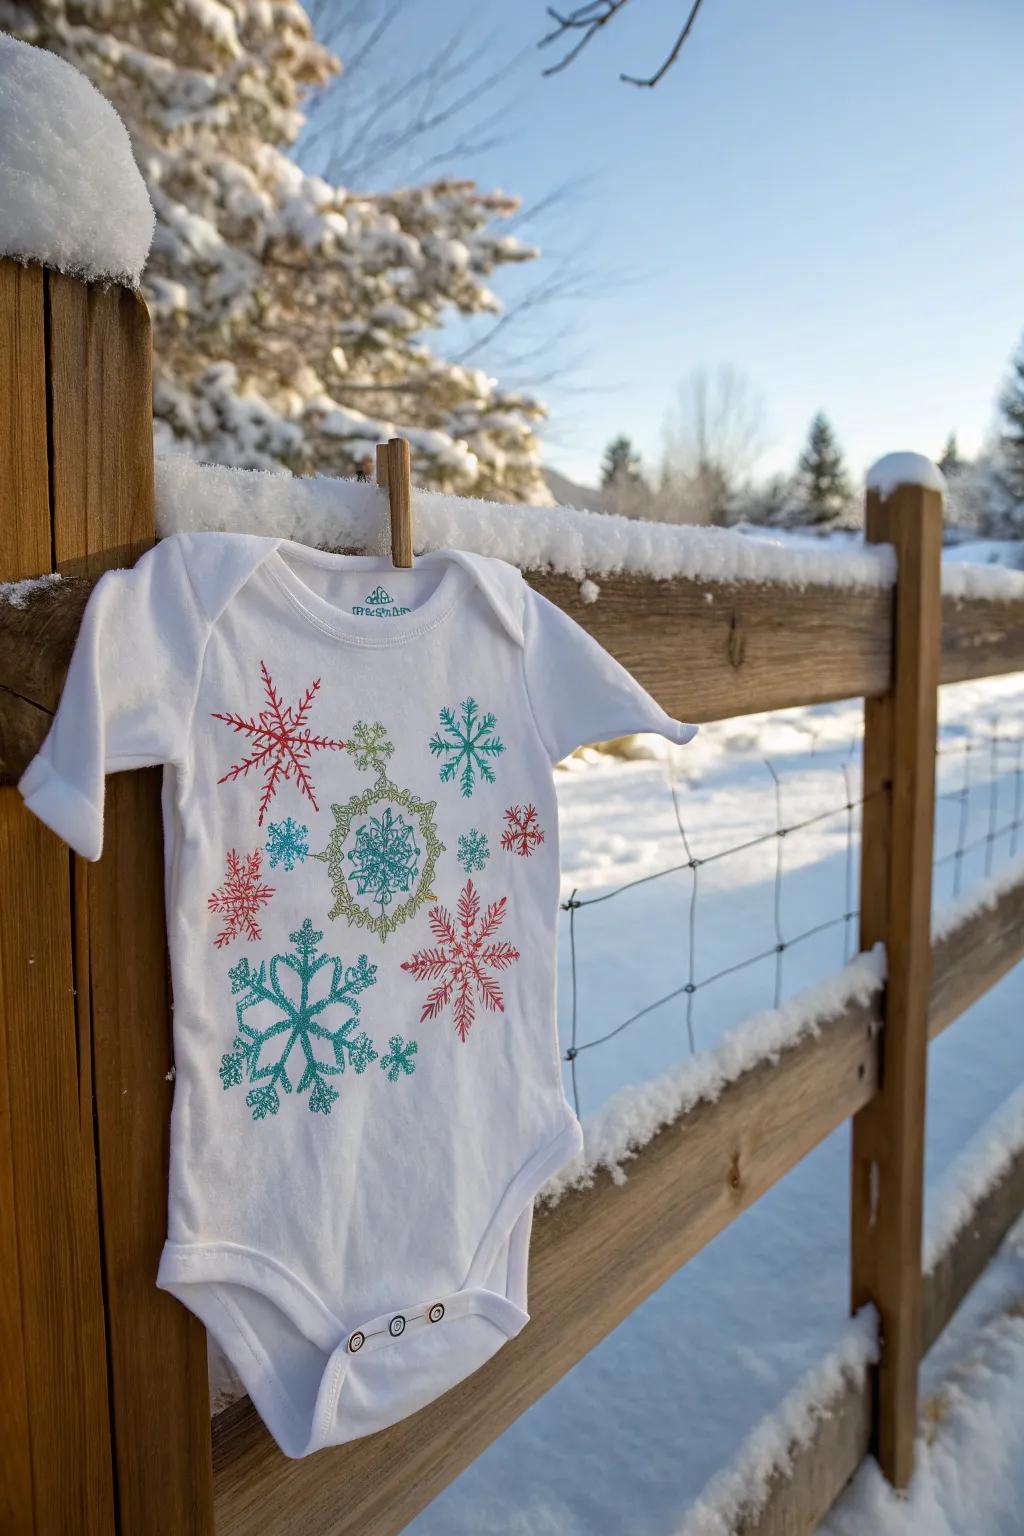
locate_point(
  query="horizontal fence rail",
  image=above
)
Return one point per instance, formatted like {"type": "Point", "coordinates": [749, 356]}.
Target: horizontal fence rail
{"type": "Point", "coordinates": [600, 1251]}
{"type": "Point", "coordinates": [747, 647]}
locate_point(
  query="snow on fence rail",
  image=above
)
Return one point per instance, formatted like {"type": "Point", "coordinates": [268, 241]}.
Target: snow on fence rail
{"type": "Point", "coordinates": [87, 1137]}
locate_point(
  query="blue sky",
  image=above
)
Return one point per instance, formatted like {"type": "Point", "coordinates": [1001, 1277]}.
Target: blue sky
{"type": "Point", "coordinates": [826, 195]}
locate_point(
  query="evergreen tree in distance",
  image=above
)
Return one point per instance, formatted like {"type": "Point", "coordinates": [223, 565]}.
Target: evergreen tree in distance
{"type": "Point", "coordinates": [620, 464]}
{"type": "Point", "coordinates": [951, 463]}
{"type": "Point", "coordinates": [1011, 437]}
{"type": "Point", "coordinates": [821, 486]}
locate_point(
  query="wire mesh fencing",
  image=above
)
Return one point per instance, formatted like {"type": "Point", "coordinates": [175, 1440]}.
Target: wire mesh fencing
{"type": "Point", "coordinates": [979, 818]}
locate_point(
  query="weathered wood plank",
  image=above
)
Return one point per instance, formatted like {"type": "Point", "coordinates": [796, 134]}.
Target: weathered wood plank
{"type": "Point", "coordinates": [103, 516]}
{"type": "Point", "coordinates": [800, 1498]}
{"type": "Point", "coordinates": [708, 650]}
{"type": "Point", "coordinates": [887, 1186]}
{"type": "Point", "coordinates": [594, 1258]}
{"type": "Point", "coordinates": [975, 956]}
{"type": "Point", "coordinates": [22, 474]}
{"type": "Point", "coordinates": [980, 639]}
{"type": "Point", "coordinates": [55, 1464]}
{"type": "Point", "coordinates": [956, 1272]}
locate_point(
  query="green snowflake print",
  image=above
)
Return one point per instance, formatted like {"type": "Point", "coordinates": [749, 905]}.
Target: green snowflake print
{"type": "Point", "coordinates": [299, 988]}
{"type": "Point", "coordinates": [385, 859]}
{"type": "Point", "coordinates": [473, 850]}
{"type": "Point", "coordinates": [369, 746]}
{"type": "Point", "coordinates": [287, 843]}
{"type": "Point", "coordinates": [384, 846]}
{"type": "Point", "coordinates": [468, 746]}
{"type": "Point", "coordinates": [399, 1058]}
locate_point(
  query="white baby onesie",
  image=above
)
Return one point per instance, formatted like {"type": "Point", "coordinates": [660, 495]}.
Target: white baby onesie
{"type": "Point", "coordinates": [362, 891]}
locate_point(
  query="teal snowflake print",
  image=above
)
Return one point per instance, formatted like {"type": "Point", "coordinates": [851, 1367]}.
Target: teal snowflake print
{"type": "Point", "coordinates": [386, 858]}
{"type": "Point", "coordinates": [399, 1058]}
{"type": "Point", "coordinates": [287, 843]}
{"type": "Point", "coordinates": [468, 746]}
{"type": "Point", "coordinates": [473, 850]}
{"type": "Point", "coordinates": [295, 992]}
{"type": "Point", "coordinates": [369, 746]}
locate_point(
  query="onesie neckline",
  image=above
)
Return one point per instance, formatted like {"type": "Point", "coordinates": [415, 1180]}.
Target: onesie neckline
{"type": "Point", "coordinates": [348, 627]}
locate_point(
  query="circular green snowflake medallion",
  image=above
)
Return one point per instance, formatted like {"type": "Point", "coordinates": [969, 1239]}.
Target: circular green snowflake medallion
{"type": "Point", "coordinates": [382, 854]}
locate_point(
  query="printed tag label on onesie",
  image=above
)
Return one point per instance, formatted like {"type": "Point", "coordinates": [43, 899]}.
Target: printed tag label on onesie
{"type": "Point", "coordinates": [379, 604]}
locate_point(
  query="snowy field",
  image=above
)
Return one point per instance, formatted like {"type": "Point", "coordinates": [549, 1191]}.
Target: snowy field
{"type": "Point", "coordinates": [625, 1444]}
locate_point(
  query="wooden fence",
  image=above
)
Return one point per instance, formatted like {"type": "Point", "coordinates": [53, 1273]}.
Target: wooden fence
{"type": "Point", "coordinates": [103, 1394]}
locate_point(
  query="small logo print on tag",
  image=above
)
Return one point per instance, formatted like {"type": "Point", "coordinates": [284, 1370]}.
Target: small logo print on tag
{"type": "Point", "coordinates": [379, 604]}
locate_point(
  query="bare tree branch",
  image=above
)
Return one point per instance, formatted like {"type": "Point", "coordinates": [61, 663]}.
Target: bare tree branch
{"type": "Point", "coordinates": [589, 19]}
{"type": "Point", "coordinates": [677, 48]}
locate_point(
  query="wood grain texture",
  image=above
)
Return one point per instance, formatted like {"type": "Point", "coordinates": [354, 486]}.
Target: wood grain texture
{"type": "Point", "coordinates": [980, 639]}
{"type": "Point", "coordinates": [594, 1257]}
{"type": "Point", "coordinates": [104, 516]}
{"type": "Point", "coordinates": [896, 875]}
{"type": "Point", "coordinates": [55, 1458]}
{"type": "Point", "coordinates": [399, 483]}
{"type": "Point", "coordinates": [24, 551]}
{"type": "Point", "coordinates": [709, 650]}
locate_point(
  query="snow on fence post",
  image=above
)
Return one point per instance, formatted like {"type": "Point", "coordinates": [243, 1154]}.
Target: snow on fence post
{"type": "Point", "coordinates": [104, 1376]}
{"type": "Point", "coordinates": [904, 508]}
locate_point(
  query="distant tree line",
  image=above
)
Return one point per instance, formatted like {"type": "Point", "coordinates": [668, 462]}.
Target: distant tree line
{"type": "Point", "coordinates": [714, 438]}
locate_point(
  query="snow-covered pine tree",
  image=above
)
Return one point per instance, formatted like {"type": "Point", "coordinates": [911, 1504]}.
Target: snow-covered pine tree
{"type": "Point", "coordinates": [822, 494]}
{"type": "Point", "coordinates": [287, 312]}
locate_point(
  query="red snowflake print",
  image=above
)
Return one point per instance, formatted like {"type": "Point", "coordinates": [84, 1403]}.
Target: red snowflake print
{"type": "Point", "coordinates": [282, 742]}
{"type": "Point", "coordinates": [240, 897]}
{"type": "Point", "coordinates": [523, 832]}
{"type": "Point", "coordinates": [462, 960]}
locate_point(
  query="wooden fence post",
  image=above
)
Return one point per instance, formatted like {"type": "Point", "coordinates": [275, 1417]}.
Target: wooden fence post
{"type": "Point", "coordinates": [55, 1466]}
{"type": "Point", "coordinates": [105, 1400]}
{"type": "Point", "coordinates": [103, 511]}
{"type": "Point", "coordinates": [896, 881]}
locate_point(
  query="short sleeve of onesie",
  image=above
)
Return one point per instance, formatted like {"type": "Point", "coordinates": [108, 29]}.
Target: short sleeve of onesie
{"type": "Point", "coordinates": [362, 902]}
{"type": "Point", "coordinates": [578, 692]}
{"type": "Point", "coordinates": [127, 701]}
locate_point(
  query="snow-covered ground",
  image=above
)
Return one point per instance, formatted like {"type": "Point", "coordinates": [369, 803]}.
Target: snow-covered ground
{"type": "Point", "coordinates": [628, 1440]}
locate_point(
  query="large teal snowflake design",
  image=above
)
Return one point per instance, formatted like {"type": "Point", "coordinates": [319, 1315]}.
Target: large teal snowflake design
{"type": "Point", "coordinates": [369, 746]}
{"type": "Point", "coordinates": [468, 746]}
{"type": "Point", "coordinates": [385, 859]}
{"type": "Point", "coordinates": [399, 1058]}
{"type": "Point", "coordinates": [473, 850]}
{"type": "Point", "coordinates": [300, 987]}
{"type": "Point", "coordinates": [287, 843]}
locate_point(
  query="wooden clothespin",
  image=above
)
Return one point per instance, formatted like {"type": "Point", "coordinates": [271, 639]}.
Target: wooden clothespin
{"type": "Point", "coordinates": [394, 471]}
